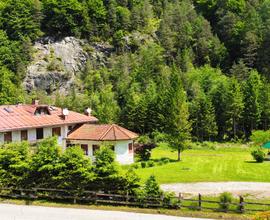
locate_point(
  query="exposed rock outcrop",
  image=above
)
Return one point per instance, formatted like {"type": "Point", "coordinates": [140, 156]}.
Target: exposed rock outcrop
{"type": "Point", "coordinates": [56, 63]}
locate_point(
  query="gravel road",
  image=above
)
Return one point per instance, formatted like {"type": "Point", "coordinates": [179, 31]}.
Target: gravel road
{"type": "Point", "coordinates": [254, 189]}
{"type": "Point", "coordinates": [20, 212]}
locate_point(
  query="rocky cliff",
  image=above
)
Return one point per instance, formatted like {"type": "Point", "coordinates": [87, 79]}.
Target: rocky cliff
{"type": "Point", "coordinates": [56, 63]}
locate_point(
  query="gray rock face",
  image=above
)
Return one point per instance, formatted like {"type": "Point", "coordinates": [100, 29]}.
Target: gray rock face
{"type": "Point", "coordinates": [56, 63]}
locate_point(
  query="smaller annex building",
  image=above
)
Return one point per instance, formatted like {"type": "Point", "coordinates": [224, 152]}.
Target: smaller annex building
{"type": "Point", "coordinates": [91, 136]}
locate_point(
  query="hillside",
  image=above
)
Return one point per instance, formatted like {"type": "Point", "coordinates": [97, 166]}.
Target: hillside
{"type": "Point", "coordinates": [171, 66]}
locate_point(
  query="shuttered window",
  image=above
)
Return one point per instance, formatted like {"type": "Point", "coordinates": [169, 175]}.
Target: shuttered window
{"type": "Point", "coordinates": [24, 135]}
{"type": "Point", "coordinates": [8, 137]}
{"type": "Point", "coordinates": [130, 148]}
{"type": "Point", "coordinates": [40, 133]}
{"type": "Point", "coordinates": [56, 132]}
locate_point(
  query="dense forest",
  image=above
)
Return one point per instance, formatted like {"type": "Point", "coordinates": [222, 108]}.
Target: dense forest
{"type": "Point", "coordinates": [187, 68]}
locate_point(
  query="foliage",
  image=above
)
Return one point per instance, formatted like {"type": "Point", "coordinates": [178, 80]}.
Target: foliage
{"type": "Point", "coordinates": [202, 63]}
{"type": "Point", "coordinates": [260, 137]}
{"type": "Point", "coordinates": [225, 198]}
{"type": "Point", "coordinates": [76, 170]}
{"type": "Point", "coordinates": [14, 164]}
{"type": "Point", "coordinates": [144, 147]}
{"type": "Point", "coordinates": [258, 155]}
{"type": "Point", "coordinates": [151, 187]}
{"type": "Point", "coordinates": [47, 167]}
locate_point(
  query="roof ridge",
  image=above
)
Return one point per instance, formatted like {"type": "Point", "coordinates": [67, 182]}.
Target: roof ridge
{"type": "Point", "coordinates": [119, 128]}
{"type": "Point", "coordinates": [128, 132]}
{"type": "Point", "coordinates": [114, 127]}
{"type": "Point", "coordinates": [106, 132]}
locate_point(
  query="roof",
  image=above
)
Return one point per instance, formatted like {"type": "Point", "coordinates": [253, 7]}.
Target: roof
{"type": "Point", "coordinates": [19, 117]}
{"type": "Point", "coordinates": [101, 133]}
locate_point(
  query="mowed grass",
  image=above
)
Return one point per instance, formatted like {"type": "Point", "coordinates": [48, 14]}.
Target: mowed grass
{"type": "Point", "coordinates": [205, 165]}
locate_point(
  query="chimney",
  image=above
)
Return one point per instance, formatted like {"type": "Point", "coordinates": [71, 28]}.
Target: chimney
{"type": "Point", "coordinates": [88, 111]}
{"type": "Point", "coordinates": [35, 102]}
{"type": "Point", "coordinates": [65, 113]}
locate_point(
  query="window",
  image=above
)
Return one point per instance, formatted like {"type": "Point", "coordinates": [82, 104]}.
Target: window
{"type": "Point", "coordinates": [95, 148]}
{"type": "Point", "coordinates": [56, 132]}
{"type": "Point", "coordinates": [8, 137]}
{"type": "Point", "coordinates": [40, 133]}
{"type": "Point", "coordinates": [85, 148]}
{"type": "Point", "coordinates": [24, 135]}
{"type": "Point", "coordinates": [130, 148]}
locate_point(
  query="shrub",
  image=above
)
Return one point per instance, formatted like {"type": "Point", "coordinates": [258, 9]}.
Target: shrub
{"type": "Point", "coordinates": [170, 201]}
{"type": "Point", "coordinates": [260, 137]}
{"type": "Point", "coordinates": [258, 155]}
{"type": "Point", "coordinates": [165, 160]}
{"type": "Point", "coordinates": [143, 164]}
{"type": "Point", "coordinates": [143, 147]}
{"type": "Point", "coordinates": [225, 200]}
{"type": "Point", "coordinates": [151, 163]}
{"type": "Point", "coordinates": [151, 187]}
{"type": "Point", "coordinates": [135, 165]}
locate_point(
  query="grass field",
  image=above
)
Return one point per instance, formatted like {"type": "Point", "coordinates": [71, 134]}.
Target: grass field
{"type": "Point", "coordinates": [225, 163]}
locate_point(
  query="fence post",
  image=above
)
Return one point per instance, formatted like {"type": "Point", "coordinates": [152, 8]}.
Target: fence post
{"type": "Point", "coordinates": [179, 200]}
{"type": "Point", "coordinates": [200, 202]}
{"type": "Point", "coordinates": [241, 204]}
{"type": "Point", "coordinates": [161, 200]}
{"type": "Point", "coordinates": [127, 198]}
{"type": "Point", "coordinates": [95, 198]}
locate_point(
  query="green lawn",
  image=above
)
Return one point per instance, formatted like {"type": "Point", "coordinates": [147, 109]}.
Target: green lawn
{"type": "Point", "coordinates": [223, 164]}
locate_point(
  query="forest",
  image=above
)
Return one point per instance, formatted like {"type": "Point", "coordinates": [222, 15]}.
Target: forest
{"type": "Point", "coordinates": [190, 69]}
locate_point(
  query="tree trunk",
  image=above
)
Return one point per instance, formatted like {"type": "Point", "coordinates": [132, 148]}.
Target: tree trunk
{"type": "Point", "coordinates": [179, 154]}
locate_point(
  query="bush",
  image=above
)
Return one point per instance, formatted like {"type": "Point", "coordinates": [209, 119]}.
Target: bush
{"type": "Point", "coordinates": [143, 164]}
{"type": "Point", "coordinates": [225, 198]}
{"type": "Point", "coordinates": [258, 155]}
{"type": "Point", "coordinates": [151, 163]}
{"type": "Point", "coordinates": [165, 160]}
{"type": "Point", "coordinates": [170, 201]}
{"type": "Point", "coordinates": [151, 187]}
{"type": "Point", "coordinates": [135, 165]}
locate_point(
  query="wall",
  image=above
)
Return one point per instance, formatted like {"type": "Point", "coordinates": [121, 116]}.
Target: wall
{"type": "Point", "coordinates": [47, 131]}
{"type": "Point", "coordinates": [121, 150]}
{"type": "Point", "coordinates": [122, 153]}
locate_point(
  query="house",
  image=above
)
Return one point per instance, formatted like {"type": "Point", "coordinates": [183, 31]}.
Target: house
{"type": "Point", "coordinates": [35, 122]}
{"type": "Point", "coordinates": [90, 136]}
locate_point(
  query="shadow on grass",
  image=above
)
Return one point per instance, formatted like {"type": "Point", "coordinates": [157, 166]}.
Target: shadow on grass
{"type": "Point", "coordinates": [163, 159]}
{"type": "Point", "coordinates": [251, 161]}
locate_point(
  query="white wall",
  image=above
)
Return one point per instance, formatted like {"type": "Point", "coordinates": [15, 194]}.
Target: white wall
{"type": "Point", "coordinates": [1, 138]}
{"type": "Point", "coordinates": [47, 132]}
{"type": "Point", "coordinates": [16, 135]}
{"type": "Point", "coordinates": [121, 150]}
{"type": "Point", "coordinates": [32, 135]}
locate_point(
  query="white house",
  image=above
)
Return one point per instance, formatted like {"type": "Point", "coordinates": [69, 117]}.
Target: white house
{"type": "Point", "coordinates": [90, 137]}
{"type": "Point", "coordinates": [35, 122]}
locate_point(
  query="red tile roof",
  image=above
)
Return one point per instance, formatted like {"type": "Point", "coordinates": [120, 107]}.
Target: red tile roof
{"type": "Point", "coordinates": [18, 117]}
{"type": "Point", "coordinates": [101, 133]}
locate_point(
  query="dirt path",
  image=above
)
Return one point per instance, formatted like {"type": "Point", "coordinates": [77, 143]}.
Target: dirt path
{"type": "Point", "coordinates": [253, 189]}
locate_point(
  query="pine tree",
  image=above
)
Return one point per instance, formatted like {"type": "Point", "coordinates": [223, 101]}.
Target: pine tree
{"type": "Point", "coordinates": [253, 109]}
{"type": "Point", "coordinates": [236, 106]}
{"type": "Point", "coordinates": [203, 117]}
{"type": "Point", "coordinates": [177, 114]}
